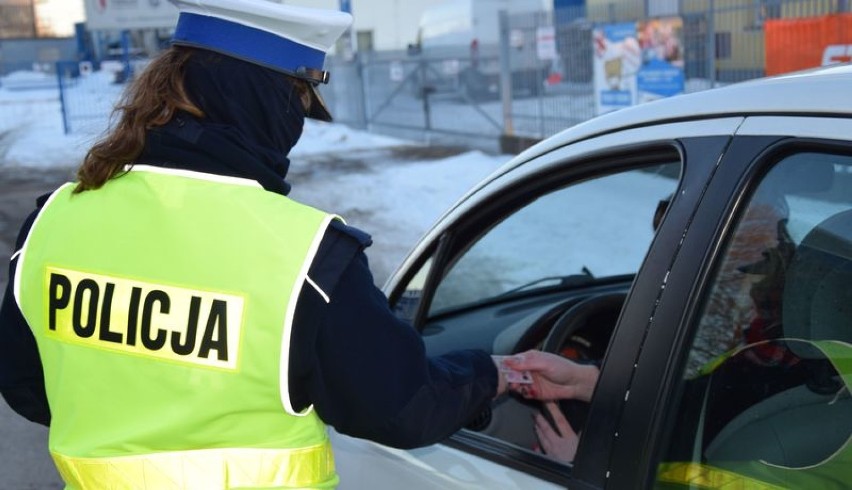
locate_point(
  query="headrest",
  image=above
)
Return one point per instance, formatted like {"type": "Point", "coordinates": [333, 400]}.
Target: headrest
{"type": "Point", "coordinates": [818, 287]}
{"type": "Point", "coordinates": [292, 40]}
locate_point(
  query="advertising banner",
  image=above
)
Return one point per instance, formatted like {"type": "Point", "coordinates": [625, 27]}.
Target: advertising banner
{"type": "Point", "coordinates": [661, 74]}
{"type": "Point", "coordinates": [798, 44]}
{"type": "Point", "coordinates": [637, 62]}
{"type": "Point", "coordinates": [617, 60]}
{"type": "Point", "coordinates": [130, 14]}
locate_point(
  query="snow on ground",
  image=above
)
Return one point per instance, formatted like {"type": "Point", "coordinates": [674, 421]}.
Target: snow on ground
{"type": "Point", "coordinates": [365, 177]}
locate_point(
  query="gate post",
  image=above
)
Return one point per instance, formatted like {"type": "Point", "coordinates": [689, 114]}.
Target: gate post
{"type": "Point", "coordinates": [505, 74]}
{"type": "Point", "coordinates": [710, 48]}
{"type": "Point", "coordinates": [425, 90]}
{"type": "Point", "coordinates": [427, 114]}
{"type": "Point", "coordinates": [362, 67]}
{"type": "Point", "coordinates": [62, 102]}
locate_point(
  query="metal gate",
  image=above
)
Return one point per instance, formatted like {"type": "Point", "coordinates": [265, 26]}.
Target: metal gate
{"type": "Point", "coordinates": [418, 97]}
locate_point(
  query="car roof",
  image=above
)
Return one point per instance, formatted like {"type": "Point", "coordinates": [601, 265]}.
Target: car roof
{"type": "Point", "coordinates": [820, 91]}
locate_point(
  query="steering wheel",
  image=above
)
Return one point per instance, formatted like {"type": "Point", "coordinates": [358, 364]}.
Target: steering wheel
{"type": "Point", "coordinates": [550, 328]}
{"type": "Point", "coordinates": [578, 316]}
{"type": "Point", "coordinates": [562, 338]}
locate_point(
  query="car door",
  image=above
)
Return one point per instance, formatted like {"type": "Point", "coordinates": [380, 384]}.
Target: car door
{"type": "Point", "coordinates": [545, 255]}
{"type": "Point", "coordinates": [745, 375]}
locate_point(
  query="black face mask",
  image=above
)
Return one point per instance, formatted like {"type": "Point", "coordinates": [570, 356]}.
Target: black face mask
{"type": "Point", "coordinates": [260, 105]}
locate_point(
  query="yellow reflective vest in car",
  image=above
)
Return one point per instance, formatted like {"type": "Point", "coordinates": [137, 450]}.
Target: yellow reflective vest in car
{"type": "Point", "coordinates": [834, 472]}
{"type": "Point", "coordinates": [162, 306]}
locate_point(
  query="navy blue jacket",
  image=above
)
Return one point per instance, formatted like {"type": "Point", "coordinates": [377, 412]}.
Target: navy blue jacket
{"type": "Point", "coordinates": [365, 371]}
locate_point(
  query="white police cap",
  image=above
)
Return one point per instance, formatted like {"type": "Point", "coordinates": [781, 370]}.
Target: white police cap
{"type": "Point", "coordinates": [289, 39]}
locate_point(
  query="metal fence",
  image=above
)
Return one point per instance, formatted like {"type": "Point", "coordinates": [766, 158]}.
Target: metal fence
{"type": "Point", "coordinates": [457, 95]}
{"type": "Point", "coordinates": [539, 78]}
{"type": "Point", "coordinates": [25, 54]}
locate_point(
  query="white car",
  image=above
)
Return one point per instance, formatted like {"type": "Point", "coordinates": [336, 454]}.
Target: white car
{"type": "Point", "coordinates": [699, 250]}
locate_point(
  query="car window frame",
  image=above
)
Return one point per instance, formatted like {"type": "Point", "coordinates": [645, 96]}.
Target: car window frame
{"type": "Point", "coordinates": [701, 154]}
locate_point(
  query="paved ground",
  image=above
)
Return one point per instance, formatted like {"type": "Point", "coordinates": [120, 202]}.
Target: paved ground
{"type": "Point", "coordinates": [25, 463]}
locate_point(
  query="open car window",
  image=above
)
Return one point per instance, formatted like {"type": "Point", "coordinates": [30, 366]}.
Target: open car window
{"type": "Point", "coordinates": [592, 230]}
{"type": "Point", "coordinates": [551, 274]}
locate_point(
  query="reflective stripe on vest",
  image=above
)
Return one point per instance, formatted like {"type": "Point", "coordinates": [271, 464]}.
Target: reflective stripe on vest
{"type": "Point", "coordinates": [697, 475]}
{"type": "Point", "coordinates": [206, 469]}
{"type": "Point", "coordinates": [167, 338]}
{"type": "Point", "coordinates": [833, 472]}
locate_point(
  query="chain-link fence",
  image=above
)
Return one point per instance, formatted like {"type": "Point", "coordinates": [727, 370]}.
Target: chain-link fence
{"type": "Point", "coordinates": [541, 77]}
{"type": "Point", "coordinates": [551, 70]}
{"type": "Point", "coordinates": [87, 96]}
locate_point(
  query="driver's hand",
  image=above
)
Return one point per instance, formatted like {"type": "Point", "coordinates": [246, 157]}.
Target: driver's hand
{"type": "Point", "coordinates": [559, 443]}
{"type": "Point", "coordinates": [554, 377]}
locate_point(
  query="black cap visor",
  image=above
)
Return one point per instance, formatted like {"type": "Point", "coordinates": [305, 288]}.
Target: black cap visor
{"type": "Point", "coordinates": [318, 108]}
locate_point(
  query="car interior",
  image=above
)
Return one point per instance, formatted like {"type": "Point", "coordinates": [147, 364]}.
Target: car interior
{"type": "Point", "coordinates": [775, 406]}
{"type": "Point", "coordinates": [797, 417]}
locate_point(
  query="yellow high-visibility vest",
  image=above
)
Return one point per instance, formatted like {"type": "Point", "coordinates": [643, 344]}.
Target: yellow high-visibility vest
{"type": "Point", "coordinates": [162, 305]}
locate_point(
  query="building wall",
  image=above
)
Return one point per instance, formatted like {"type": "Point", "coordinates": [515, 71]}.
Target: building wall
{"type": "Point", "coordinates": [17, 19]}
{"type": "Point", "coordinates": [39, 18]}
{"type": "Point", "coordinates": [57, 17]}
{"type": "Point", "coordinates": [393, 22]}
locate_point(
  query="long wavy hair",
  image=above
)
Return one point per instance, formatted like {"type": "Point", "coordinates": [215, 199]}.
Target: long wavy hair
{"type": "Point", "coordinates": [151, 100]}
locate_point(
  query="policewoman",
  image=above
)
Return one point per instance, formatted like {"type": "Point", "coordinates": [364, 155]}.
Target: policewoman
{"type": "Point", "coordinates": [178, 322]}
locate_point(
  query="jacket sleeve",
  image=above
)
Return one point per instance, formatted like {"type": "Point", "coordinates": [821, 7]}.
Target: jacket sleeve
{"type": "Point", "coordinates": [368, 375]}
{"type": "Point", "coordinates": [21, 376]}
